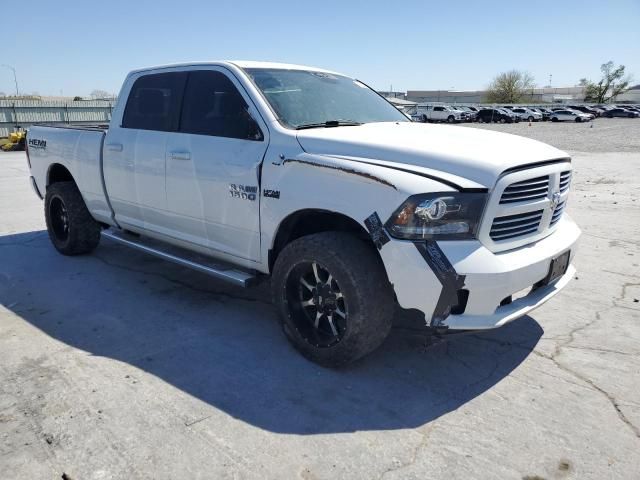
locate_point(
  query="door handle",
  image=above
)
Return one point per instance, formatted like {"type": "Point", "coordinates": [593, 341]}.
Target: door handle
{"type": "Point", "coordinates": [180, 156]}
{"type": "Point", "coordinates": [114, 147]}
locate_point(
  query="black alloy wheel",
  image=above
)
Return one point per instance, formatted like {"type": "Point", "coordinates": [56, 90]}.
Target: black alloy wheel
{"type": "Point", "coordinates": [59, 218]}
{"type": "Point", "coordinates": [317, 304]}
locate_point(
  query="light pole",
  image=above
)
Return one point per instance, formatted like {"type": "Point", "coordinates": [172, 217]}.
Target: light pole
{"type": "Point", "coordinates": [15, 78]}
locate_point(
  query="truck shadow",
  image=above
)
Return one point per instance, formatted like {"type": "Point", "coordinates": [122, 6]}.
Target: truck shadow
{"type": "Point", "coordinates": [223, 345]}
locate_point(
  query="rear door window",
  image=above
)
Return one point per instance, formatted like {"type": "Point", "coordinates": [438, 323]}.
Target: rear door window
{"type": "Point", "coordinates": [213, 106]}
{"type": "Point", "coordinates": [154, 102]}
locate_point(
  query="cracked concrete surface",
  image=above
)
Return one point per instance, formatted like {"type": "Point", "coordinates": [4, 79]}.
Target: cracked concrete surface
{"type": "Point", "coordinates": [117, 365]}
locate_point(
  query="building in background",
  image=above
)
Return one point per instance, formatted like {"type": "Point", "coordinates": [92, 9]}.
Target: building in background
{"type": "Point", "coordinates": [630, 96]}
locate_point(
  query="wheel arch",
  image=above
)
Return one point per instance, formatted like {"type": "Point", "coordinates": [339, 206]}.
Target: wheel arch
{"type": "Point", "coordinates": [58, 173]}
{"type": "Point", "coordinates": [313, 220]}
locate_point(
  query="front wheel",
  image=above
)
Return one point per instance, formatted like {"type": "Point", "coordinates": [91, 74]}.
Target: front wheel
{"type": "Point", "coordinates": [335, 301]}
{"type": "Point", "coordinates": [71, 228]}
{"type": "Point", "coordinates": [451, 119]}
{"type": "Point", "coordinates": [530, 119]}
{"type": "Point", "coordinates": [578, 119]}
{"type": "Point", "coordinates": [554, 119]}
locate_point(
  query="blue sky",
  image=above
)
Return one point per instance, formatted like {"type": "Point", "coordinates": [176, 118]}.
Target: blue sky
{"type": "Point", "coordinates": [77, 46]}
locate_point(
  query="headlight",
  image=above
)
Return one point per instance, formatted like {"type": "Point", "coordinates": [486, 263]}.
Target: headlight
{"type": "Point", "coordinates": [444, 216]}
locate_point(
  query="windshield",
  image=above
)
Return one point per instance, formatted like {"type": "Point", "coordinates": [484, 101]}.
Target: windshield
{"type": "Point", "coordinates": [302, 97]}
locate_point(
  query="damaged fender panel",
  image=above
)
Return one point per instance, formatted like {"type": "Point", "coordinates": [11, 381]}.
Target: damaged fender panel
{"type": "Point", "coordinates": [350, 171]}
{"type": "Point", "coordinates": [376, 230]}
{"type": "Point", "coordinates": [447, 276]}
{"type": "Point", "coordinates": [415, 284]}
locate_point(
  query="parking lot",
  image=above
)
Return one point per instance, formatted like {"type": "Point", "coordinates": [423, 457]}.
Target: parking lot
{"type": "Point", "coordinates": [119, 365]}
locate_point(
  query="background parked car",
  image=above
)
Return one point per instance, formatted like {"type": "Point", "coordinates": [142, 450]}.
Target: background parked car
{"type": "Point", "coordinates": [441, 113]}
{"type": "Point", "coordinates": [585, 109]}
{"type": "Point", "coordinates": [489, 115]}
{"type": "Point", "coordinates": [621, 112]}
{"type": "Point", "coordinates": [527, 114]}
{"type": "Point", "coordinates": [546, 113]}
{"type": "Point", "coordinates": [471, 115]}
{"type": "Point", "coordinates": [570, 115]}
{"type": "Point", "coordinates": [509, 109]}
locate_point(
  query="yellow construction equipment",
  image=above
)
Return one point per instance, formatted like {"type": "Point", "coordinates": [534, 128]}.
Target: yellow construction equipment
{"type": "Point", "coordinates": [17, 141]}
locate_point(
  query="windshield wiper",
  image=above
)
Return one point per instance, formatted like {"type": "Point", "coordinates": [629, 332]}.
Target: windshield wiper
{"type": "Point", "coordinates": [329, 123]}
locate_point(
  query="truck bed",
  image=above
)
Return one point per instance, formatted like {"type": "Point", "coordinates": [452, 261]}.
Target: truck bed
{"type": "Point", "coordinates": [76, 149]}
{"type": "Point", "coordinates": [103, 127]}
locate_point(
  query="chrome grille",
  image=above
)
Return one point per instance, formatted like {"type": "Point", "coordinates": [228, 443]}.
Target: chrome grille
{"type": "Point", "coordinates": [565, 180]}
{"type": "Point", "coordinates": [511, 226]}
{"type": "Point", "coordinates": [526, 190]}
{"type": "Point", "coordinates": [525, 206]}
{"type": "Point", "coordinates": [557, 213]}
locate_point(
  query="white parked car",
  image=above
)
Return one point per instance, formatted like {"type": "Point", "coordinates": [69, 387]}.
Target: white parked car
{"type": "Point", "coordinates": [527, 114]}
{"type": "Point", "coordinates": [570, 115]}
{"type": "Point", "coordinates": [470, 114]}
{"type": "Point", "coordinates": [243, 170]}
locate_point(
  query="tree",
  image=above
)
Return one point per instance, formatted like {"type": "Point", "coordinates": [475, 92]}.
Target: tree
{"type": "Point", "coordinates": [100, 94]}
{"type": "Point", "coordinates": [612, 84]}
{"type": "Point", "coordinates": [510, 87]}
{"type": "Point", "coordinates": [77, 99]}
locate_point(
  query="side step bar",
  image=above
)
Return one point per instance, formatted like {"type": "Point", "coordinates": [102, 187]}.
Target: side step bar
{"type": "Point", "coordinates": [182, 257]}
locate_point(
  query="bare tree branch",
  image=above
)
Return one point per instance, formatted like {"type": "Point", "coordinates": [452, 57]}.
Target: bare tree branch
{"type": "Point", "coordinates": [510, 87]}
{"type": "Point", "coordinates": [613, 83]}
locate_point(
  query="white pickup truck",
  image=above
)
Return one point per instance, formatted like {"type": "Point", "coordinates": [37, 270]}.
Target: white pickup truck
{"type": "Point", "coordinates": [441, 113]}
{"type": "Point", "coordinates": [246, 169]}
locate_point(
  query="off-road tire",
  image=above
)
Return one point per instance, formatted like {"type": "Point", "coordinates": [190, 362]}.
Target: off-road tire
{"type": "Point", "coordinates": [360, 274]}
{"type": "Point", "coordinates": [82, 231]}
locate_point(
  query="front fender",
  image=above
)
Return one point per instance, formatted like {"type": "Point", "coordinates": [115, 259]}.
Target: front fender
{"type": "Point", "coordinates": [351, 188]}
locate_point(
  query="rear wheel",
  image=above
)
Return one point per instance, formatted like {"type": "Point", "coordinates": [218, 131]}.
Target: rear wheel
{"type": "Point", "coordinates": [335, 302]}
{"type": "Point", "coordinates": [71, 227]}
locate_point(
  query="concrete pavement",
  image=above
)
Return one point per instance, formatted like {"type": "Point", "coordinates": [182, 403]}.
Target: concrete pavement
{"type": "Point", "coordinates": [119, 365]}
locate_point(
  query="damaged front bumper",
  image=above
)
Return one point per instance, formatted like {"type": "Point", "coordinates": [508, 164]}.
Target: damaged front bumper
{"type": "Point", "coordinates": [481, 283]}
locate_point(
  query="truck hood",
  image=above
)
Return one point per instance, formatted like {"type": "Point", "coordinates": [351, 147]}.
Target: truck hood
{"type": "Point", "coordinates": [468, 157]}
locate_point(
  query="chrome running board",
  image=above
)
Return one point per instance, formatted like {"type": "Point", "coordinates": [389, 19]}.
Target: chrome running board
{"type": "Point", "coordinates": [183, 257]}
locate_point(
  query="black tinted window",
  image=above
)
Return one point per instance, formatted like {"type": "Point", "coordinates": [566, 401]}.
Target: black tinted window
{"type": "Point", "coordinates": [439, 109]}
{"type": "Point", "coordinates": [213, 106]}
{"type": "Point", "coordinates": [154, 102]}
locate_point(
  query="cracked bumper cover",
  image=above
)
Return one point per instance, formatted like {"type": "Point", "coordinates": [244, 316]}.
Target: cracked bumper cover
{"type": "Point", "coordinates": [489, 277]}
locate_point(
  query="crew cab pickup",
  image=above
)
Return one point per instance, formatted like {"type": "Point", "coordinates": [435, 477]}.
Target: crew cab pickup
{"type": "Point", "coordinates": [243, 170]}
{"type": "Point", "coordinates": [441, 113]}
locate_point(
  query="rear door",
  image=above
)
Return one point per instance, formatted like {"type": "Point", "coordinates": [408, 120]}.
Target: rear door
{"type": "Point", "coordinates": [213, 166]}
{"type": "Point", "coordinates": [134, 151]}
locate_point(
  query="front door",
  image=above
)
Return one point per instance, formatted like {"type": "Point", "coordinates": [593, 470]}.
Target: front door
{"type": "Point", "coordinates": [213, 166]}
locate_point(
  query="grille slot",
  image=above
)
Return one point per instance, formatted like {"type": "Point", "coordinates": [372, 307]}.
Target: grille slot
{"type": "Point", "coordinates": [511, 226]}
{"type": "Point", "coordinates": [557, 213]}
{"type": "Point", "coordinates": [565, 181]}
{"type": "Point", "coordinates": [526, 190]}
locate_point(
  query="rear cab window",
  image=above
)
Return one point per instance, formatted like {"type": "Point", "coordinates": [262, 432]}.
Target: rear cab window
{"type": "Point", "coordinates": [154, 102]}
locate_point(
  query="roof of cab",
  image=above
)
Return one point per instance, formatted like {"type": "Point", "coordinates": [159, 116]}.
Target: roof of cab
{"type": "Point", "coordinates": [238, 63]}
